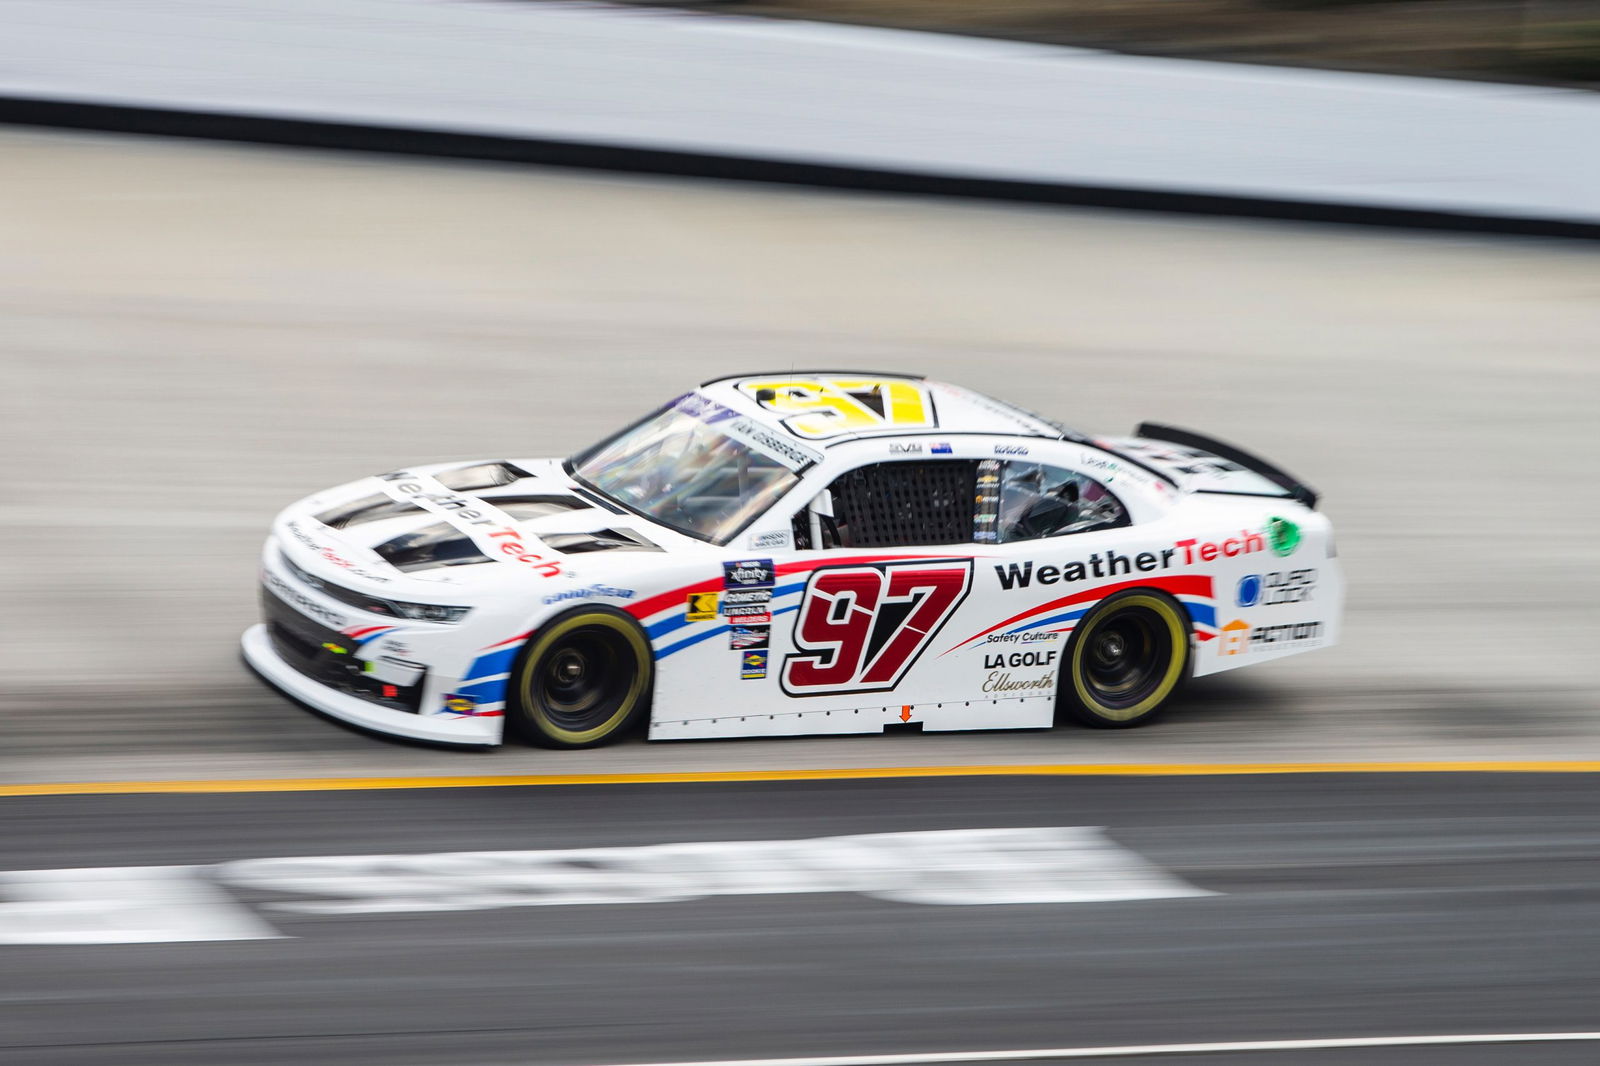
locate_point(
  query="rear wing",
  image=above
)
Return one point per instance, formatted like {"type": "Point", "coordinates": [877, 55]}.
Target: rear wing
{"type": "Point", "coordinates": [1293, 486]}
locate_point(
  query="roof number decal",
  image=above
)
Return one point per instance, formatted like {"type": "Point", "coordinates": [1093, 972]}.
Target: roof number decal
{"type": "Point", "coordinates": [822, 407]}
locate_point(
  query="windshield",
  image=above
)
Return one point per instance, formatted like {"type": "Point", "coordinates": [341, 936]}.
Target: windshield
{"type": "Point", "coordinates": [696, 467]}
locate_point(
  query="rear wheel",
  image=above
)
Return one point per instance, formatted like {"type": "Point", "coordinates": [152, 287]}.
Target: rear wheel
{"type": "Point", "coordinates": [1125, 659]}
{"type": "Point", "coordinates": [582, 681]}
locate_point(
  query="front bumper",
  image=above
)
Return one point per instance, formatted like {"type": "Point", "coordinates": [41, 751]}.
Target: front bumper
{"type": "Point", "coordinates": [259, 653]}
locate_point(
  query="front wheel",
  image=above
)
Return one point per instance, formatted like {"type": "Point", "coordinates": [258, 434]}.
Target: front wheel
{"type": "Point", "coordinates": [582, 681]}
{"type": "Point", "coordinates": [1125, 659]}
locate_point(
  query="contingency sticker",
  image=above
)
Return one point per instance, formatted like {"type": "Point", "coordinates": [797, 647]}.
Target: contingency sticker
{"type": "Point", "coordinates": [701, 607]}
{"type": "Point", "coordinates": [749, 638]}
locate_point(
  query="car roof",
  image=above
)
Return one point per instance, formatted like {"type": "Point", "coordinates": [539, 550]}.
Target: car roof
{"type": "Point", "coordinates": [826, 407]}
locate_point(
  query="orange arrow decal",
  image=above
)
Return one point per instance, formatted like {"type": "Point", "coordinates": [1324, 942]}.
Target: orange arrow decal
{"type": "Point", "coordinates": [905, 713]}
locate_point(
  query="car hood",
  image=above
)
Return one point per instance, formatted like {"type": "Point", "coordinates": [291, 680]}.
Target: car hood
{"type": "Point", "coordinates": [461, 526]}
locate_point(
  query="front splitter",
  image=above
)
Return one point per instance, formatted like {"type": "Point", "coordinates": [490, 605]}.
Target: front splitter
{"type": "Point", "coordinates": [260, 654]}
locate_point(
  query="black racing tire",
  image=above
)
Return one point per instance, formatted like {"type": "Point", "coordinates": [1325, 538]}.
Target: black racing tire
{"type": "Point", "coordinates": [582, 681]}
{"type": "Point", "coordinates": [1124, 660]}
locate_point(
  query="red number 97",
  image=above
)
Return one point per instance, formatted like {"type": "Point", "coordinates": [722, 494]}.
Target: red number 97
{"type": "Point", "coordinates": [843, 646]}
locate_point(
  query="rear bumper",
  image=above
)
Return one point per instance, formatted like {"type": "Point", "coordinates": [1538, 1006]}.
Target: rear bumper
{"type": "Point", "coordinates": [260, 654]}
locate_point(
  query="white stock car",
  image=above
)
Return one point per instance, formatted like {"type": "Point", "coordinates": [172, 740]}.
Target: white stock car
{"type": "Point", "coordinates": [820, 552]}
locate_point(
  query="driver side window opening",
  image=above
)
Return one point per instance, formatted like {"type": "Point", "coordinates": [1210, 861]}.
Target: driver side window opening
{"type": "Point", "coordinates": [896, 504]}
{"type": "Point", "coordinates": [1037, 501]}
{"type": "Point", "coordinates": [957, 501]}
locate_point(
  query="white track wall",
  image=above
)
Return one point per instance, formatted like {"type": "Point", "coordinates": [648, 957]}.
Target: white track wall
{"type": "Point", "coordinates": [804, 92]}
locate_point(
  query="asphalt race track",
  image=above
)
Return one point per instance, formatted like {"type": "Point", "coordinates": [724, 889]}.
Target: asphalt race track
{"type": "Point", "coordinates": [1337, 906]}
{"type": "Point", "coordinates": [193, 335]}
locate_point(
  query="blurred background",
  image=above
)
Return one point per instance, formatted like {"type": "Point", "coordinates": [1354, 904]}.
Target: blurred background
{"type": "Point", "coordinates": [252, 249]}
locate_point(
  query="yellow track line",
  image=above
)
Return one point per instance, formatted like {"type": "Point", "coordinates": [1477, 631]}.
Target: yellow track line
{"type": "Point", "coordinates": [346, 784]}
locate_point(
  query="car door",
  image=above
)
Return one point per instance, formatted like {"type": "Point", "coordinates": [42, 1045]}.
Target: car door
{"type": "Point", "coordinates": [888, 581]}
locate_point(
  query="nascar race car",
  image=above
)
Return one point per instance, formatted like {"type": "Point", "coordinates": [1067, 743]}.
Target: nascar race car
{"type": "Point", "coordinates": [802, 553]}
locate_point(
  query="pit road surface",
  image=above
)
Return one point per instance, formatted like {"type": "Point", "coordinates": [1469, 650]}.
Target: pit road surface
{"type": "Point", "coordinates": [1339, 906]}
{"type": "Point", "coordinates": [193, 335]}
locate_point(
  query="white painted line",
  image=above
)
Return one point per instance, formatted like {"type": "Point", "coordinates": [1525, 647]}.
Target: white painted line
{"type": "Point", "coordinates": [121, 905]}
{"type": "Point", "coordinates": [962, 867]}
{"type": "Point", "coordinates": [1137, 1050]}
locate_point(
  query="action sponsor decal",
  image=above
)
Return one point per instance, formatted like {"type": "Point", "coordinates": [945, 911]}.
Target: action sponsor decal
{"type": "Point", "coordinates": [749, 638]}
{"type": "Point", "coordinates": [860, 628]}
{"type": "Point", "coordinates": [940, 448]}
{"type": "Point", "coordinates": [1238, 637]}
{"type": "Point", "coordinates": [701, 606]}
{"type": "Point", "coordinates": [1277, 587]}
{"type": "Point", "coordinates": [823, 407]}
{"type": "Point", "coordinates": [1272, 638]}
{"type": "Point", "coordinates": [493, 531]}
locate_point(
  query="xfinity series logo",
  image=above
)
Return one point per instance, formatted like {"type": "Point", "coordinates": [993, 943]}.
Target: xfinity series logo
{"type": "Point", "coordinates": [748, 573]}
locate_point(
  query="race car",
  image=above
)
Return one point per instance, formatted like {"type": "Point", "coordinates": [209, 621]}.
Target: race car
{"type": "Point", "coordinates": [797, 553]}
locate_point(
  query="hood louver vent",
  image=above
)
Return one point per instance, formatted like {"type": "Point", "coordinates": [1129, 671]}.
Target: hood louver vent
{"type": "Point", "coordinates": [524, 508]}
{"type": "Point", "coordinates": [481, 476]}
{"type": "Point", "coordinates": [367, 509]}
{"type": "Point", "coordinates": [600, 540]}
{"type": "Point", "coordinates": [435, 546]}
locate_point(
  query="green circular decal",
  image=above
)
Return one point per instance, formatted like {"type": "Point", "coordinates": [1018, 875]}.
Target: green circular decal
{"type": "Point", "coordinates": [1283, 535]}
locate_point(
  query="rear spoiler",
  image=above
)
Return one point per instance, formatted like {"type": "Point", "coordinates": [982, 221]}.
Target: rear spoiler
{"type": "Point", "coordinates": [1296, 488]}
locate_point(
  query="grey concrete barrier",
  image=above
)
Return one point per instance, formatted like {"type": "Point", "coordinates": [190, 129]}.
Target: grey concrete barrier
{"type": "Point", "coordinates": [725, 96]}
